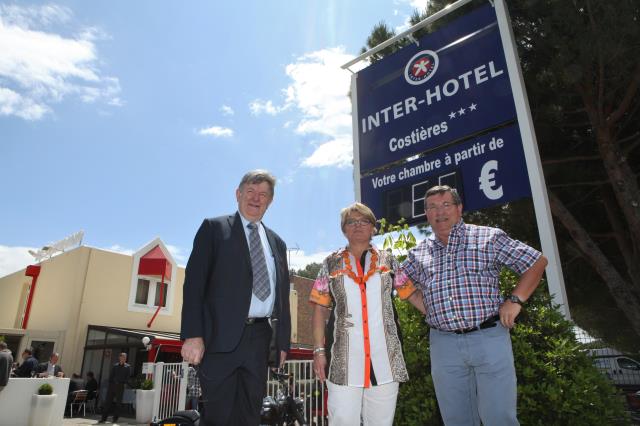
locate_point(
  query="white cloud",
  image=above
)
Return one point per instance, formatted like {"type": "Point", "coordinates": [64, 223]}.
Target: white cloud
{"type": "Point", "coordinates": [319, 89]}
{"type": "Point", "coordinates": [413, 4]}
{"type": "Point", "coordinates": [299, 259]}
{"type": "Point", "coordinates": [258, 107]}
{"type": "Point", "coordinates": [42, 67]}
{"type": "Point", "coordinates": [216, 132]}
{"type": "Point", "coordinates": [13, 259]}
{"type": "Point", "coordinates": [35, 16]}
{"type": "Point", "coordinates": [227, 110]}
{"type": "Point", "coordinates": [119, 249]}
{"type": "Point", "coordinates": [178, 254]}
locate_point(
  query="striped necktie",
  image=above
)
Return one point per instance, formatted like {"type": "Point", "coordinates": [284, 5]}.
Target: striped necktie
{"type": "Point", "coordinates": [261, 285]}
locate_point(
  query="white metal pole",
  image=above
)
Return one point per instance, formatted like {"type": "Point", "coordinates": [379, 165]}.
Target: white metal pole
{"type": "Point", "coordinates": [356, 137]}
{"type": "Point", "coordinates": [534, 165]}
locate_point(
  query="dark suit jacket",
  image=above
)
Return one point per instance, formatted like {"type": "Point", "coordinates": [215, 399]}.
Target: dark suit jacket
{"type": "Point", "coordinates": [25, 369]}
{"type": "Point", "coordinates": [42, 368]}
{"type": "Point", "coordinates": [218, 285]}
{"type": "Point", "coordinates": [6, 362]}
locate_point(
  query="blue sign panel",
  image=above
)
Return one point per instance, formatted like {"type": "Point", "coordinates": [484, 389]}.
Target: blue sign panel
{"type": "Point", "coordinates": [487, 170]}
{"type": "Point", "coordinates": [454, 84]}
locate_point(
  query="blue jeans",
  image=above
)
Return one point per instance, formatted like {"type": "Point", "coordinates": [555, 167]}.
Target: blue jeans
{"type": "Point", "coordinates": [474, 377]}
{"type": "Point", "coordinates": [193, 400]}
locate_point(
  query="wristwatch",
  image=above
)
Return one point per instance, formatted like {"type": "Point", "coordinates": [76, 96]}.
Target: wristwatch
{"type": "Point", "coordinates": [515, 299]}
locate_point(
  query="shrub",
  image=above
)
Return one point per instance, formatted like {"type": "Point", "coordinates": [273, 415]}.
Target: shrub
{"type": "Point", "coordinates": [146, 384]}
{"type": "Point", "coordinates": [557, 382]}
{"type": "Point", "coordinates": [45, 389]}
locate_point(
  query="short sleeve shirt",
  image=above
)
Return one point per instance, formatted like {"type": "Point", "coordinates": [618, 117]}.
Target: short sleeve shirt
{"type": "Point", "coordinates": [460, 281]}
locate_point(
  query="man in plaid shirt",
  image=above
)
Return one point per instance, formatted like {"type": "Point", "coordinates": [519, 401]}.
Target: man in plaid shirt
{"type": "Point", "coordinates": [458, 270]}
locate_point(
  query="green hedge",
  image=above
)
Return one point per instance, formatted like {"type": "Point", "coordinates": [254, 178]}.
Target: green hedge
{"type": "Point", "coordinates": [557, 382]}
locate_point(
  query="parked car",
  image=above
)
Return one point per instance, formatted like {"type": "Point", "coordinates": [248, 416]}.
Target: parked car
{"type": "Point", "coordinates": [620, 369]}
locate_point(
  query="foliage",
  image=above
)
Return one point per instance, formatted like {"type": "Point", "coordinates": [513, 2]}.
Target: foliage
{"type": "Point", "coordinates": [45, 389]}
{"type": "Point", "coordinates": [310, 271]}
{"type": "Point", "coordinates": [399, 238]}
{"type": "Point", "coordinates": [140, 381]}
{"type": "Point", "coordinates": [557, 382]}
{"type": "Point", "coordinates": [146, 384]}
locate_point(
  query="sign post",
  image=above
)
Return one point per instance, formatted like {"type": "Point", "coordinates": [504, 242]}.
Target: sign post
{"type": "Point", "coordinates": [451, 109]}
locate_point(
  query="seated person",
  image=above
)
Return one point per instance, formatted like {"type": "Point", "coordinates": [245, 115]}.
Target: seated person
{"type": "Point", "coordinates": [50, 368]}
{"type": "Point", "coordinates": [76, 383]}
{"type": "Point", "coordinates": [29, 364]}
{"type": "Point", "coordinates": [91, 385]}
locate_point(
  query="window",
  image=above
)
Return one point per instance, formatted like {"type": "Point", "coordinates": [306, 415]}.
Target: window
{"type": "Point", "coordinates": [152, 277]}
{"type": "Point", "coordinates": [148, 292]}
{"type": "Point", "coordinates": [629, 364]}
{"type": "Point", "coordinates": [160, 289]}
{"type": "Point", "coordinates": [95, 337]}
{"type": "Point", "coordinates": [142, 293]}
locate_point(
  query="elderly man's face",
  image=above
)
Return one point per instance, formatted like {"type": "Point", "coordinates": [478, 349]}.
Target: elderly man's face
{"type": "Point", "coordinates": [54, 359]}
{"type": "Point", "coordinates": [253, 200]}
{"type": "Point", "coordinates": [442, 214]}
{"type": "Point", "coordinates": [123, 358]}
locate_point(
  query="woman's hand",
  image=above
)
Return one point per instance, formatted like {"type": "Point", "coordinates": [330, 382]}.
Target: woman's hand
{"type": "Point", "coordinates": [318, 323]}
{"type": "Point", "coordinates": [319, 365]}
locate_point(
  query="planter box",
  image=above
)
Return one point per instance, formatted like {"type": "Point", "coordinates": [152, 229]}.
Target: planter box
{"type": "Point", "coordinates": [144, 405]}
{"type": "Point", "coordinates": [41, 409]}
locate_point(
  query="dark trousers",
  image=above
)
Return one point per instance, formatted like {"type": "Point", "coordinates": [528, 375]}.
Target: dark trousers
{"type": "Point", "coordinates": [234, 383]}
{"type": "Point", "coordinates": [116, 390]}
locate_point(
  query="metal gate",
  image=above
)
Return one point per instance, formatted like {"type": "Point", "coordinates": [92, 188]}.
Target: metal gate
{"type": "Point", "coordinates": [170, 384]}
{"type": "Point", "coordinates": [307, 387]}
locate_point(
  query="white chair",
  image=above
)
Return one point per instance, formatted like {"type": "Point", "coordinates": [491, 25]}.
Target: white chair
{"type": "Point", "coordinates": [78, 399]}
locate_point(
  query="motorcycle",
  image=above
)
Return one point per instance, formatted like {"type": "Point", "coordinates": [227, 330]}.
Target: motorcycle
{"type": "Point", "coordinates": [284, 409]}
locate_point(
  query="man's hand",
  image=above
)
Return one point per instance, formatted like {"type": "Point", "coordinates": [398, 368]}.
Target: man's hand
{"type": "Point", "coordinates": [193, 350]}
{"type": "Point", "coordinates": [283, 358]}
{"type": "Point", "coordinates": [509, 312]}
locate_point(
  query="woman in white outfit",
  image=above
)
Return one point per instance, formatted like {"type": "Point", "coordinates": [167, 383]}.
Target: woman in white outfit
{"type": "Point", "coordinates": [357, 347]}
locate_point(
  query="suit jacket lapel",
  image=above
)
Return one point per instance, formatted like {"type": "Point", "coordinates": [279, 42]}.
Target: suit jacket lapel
{"type": "Point", "coordinates": [240, 238]}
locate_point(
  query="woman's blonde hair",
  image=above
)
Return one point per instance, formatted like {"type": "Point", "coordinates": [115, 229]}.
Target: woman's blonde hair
{"type": "Point", "coordinates": [356, 208]}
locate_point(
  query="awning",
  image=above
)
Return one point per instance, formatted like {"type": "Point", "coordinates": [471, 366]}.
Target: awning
{"type": "Point", "coordinates": [155, 263]}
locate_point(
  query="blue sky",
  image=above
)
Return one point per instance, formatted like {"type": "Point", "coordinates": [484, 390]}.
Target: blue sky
{"type": "Point", "coordinates": [131, 120]}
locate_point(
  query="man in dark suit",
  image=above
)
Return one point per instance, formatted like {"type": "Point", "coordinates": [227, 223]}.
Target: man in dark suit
{"type": "Point", "coordinates": [29, 364]}
{"type": "Point", "coordinates": [6, 362]}
{"type": "Point", "coordinates": [236, 283]}
{"type": "Point", "coordinates": [118, 378]}
{"type": "Point", "coordinates": [50, 368]}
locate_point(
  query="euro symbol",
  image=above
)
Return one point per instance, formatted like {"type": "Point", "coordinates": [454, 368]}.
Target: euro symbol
{"type": "Point", "coordinates": [487, 180]}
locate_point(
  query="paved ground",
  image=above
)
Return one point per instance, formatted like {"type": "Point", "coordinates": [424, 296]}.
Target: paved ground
{"type": "Point", "coordinates": [93, 419]}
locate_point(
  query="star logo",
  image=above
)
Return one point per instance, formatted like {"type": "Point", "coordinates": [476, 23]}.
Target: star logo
{"type": "Point", "coordinates": [421, 67]}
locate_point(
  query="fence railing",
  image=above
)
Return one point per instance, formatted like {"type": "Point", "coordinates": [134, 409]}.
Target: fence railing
{"type": "Point", "coordinates": [170, 383]}
{"type": "Point", "coordinates": [307, 387]}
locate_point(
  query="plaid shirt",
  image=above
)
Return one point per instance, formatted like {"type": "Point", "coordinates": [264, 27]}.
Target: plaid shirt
{"type": "Point", "coordinates": [193, 384]}
{"type": "Point", "coordinates": [460, 281]}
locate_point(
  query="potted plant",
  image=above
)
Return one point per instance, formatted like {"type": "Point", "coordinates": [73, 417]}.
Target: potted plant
{"type": "Point", "coordinates": [144, 401]}
{"type": "Point", "coordinates": [42, 405]}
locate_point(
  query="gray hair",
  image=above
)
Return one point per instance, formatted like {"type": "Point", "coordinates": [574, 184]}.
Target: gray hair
{"type": "Point", "coordinates": [443, 189]}
{"type": "Point", "coordinates": [256, 177]}
{"type": "Point", "coordinates": [3, 345]}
